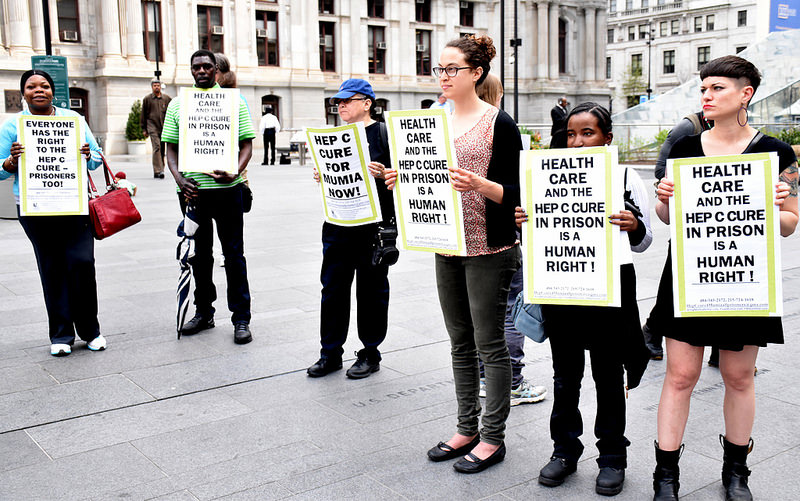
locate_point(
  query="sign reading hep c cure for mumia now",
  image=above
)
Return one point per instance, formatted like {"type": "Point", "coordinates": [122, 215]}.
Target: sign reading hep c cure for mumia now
{"type": "Point", "coordinates": [429, 212]}
{"type": "Point", "coordinates": [52, 180]}
{"type": "Point", "coordinates": [725, 227]}
{"type": "Point", "coordinates": [209, 130]}
{"type": "Point", "coordinates": [570, 249]}
{"type": "Point", "coordinates": [349, 195]}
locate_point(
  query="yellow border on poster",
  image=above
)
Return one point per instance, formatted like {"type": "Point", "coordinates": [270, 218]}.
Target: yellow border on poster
{"type": "Point", "coordinates": [451, 160]}
{"type": "Point", "coordinates": [770, 177]}
{"type": "Point", "coordinates": [82, 181]}
{"type": "Point", "coordinates": [529, 156]}
{"type": "Point", "coordinates": [364, 173]}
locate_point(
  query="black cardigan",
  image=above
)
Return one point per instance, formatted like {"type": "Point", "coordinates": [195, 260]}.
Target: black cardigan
{"type": "Point", "coordinates": [504, 170]}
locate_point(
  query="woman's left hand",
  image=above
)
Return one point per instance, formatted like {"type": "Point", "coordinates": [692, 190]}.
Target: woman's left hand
{"type": "Point", "coordinates": [377, 170]}
{"type": "Point", "coordinates": [464, 180]}
{"type": "Point", "coordinates": [86, 151]}
{"type": "Point", "coordinates": [625, 220]}
{"type": "Point", "coordinates": [782, 191]}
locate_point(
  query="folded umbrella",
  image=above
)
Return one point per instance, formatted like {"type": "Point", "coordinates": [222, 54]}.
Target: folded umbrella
{"type": "Point", "coordinates": [185, 251]}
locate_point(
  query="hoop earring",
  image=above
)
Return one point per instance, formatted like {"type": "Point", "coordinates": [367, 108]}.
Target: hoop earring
{"type": "Point", "coordinates": [746, 117]}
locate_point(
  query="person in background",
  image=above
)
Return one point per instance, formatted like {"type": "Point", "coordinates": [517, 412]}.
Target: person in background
{"type": "Point", "coordinates": [269, 128]}
{"type": "Point", "coordinates": [727, 87]}
{"type": "Point", "coordinates": [558, 133]}
{"type": "Point", "coordinates": [522, 390]}
{"type": "Point", "coordinates": [122, 181]}
{"type": "Point", "coordinates": [63, 245]}
{"type": "Point", "coordinates": [573, 329]}
{"type": "Point", "coordinates": [154, 107]}
{"type": "Point", "coordinates": [442, 102]}
{"type": "Point", "coordinates": [226, 78]}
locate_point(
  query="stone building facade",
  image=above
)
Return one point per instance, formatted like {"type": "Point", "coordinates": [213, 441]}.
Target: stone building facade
{"type": "Point", "coordinates": [293, 54]}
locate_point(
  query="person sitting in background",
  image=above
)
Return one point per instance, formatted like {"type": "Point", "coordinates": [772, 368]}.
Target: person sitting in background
{"type": "Point", "coordinates": [122, 181]}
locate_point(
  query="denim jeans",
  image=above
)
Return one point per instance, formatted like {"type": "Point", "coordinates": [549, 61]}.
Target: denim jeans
{"type": "Point", "coordinates": [473, 293]}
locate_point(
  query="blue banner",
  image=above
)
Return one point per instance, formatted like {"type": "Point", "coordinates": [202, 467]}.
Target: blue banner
{"type": "Point", "coordinates": [783, 15]}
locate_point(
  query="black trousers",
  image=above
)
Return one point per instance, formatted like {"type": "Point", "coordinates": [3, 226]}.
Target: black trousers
{"type": "Point", "coordinates": [347, 253]}
{"type": "Point", "coordinates": [572, 330]}
{"type": "Point", "coordinates": [64, 249]}
{"type": "Point", "coordinates": [222, 206]}
{"type": "Point", "coordinates": [269, 144]}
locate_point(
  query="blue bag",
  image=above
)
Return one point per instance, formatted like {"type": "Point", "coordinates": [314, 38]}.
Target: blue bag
{"type": "Point", "coordinates": [528, 319]}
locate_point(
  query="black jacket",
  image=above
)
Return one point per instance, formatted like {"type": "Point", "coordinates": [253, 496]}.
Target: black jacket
{"type": "Point", "coordinates": [503, 169]}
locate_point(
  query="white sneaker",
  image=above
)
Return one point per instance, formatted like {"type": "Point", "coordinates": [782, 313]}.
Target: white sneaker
{"type": "Point", "coordinates": [526, 393]}
{"type": "Point", "coordinates": [482, 390]}
{"type": "Point", "coordinates": [60, 350]}
{"type": "Point", "coordinates": [97, 344]}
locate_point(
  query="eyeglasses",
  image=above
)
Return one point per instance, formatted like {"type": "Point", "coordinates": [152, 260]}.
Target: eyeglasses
{"type": "Point", "coordinates": [337, 102]}
{"type": "Point", "coordinates": [450, 70]}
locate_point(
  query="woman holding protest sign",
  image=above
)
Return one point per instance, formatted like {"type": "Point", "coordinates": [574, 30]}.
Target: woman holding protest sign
{"type": "Point", "coordinates": [63, 245]}
{"type": "Point", "coordinates": [573, 329]}
{"type": "Point", "coordinates": [727, 87]}
{"type": "Point", "coordinates": [473, 288]}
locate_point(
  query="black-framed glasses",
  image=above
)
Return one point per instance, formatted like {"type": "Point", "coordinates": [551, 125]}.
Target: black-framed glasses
{"type": "Point", "coordinates": [450, 70]}
{"type": "Point", "coordinates": [337, 102]}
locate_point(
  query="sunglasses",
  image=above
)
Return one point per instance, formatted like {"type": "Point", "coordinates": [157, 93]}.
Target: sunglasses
{"type": "Point", "coordinates": [337, 102]}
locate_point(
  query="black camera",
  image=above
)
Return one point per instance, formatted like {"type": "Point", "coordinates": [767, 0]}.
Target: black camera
{"type": "Point", "coordinates": [385, 248]}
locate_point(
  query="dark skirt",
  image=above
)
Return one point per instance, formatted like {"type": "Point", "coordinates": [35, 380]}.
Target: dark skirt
{"type": "Point", "coordinates": [725, 333]}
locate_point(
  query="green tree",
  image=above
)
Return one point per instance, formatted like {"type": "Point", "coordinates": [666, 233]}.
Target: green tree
{"type": "Point", "coordinates": [133, 129]}
{"type": "Point", "coordinates": [633, 85]}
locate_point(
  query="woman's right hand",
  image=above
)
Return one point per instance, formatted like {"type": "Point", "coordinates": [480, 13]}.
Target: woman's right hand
{"type": "Point", "coordinates": [665, 190]}
{"type": "Point", "coordinates": [390, 178]}
{"type": "Point", "coordinates": [520, 216]}
{"type": "Point", "coordinates": [11, 164]}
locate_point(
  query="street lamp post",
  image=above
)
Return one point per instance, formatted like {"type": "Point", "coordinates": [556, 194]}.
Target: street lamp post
{"type": "Point", "coordinates": [48, 45]}
{"type": "Point", "coordinates": [515, 43]}
{"type": "Point", "coordinates": [649, 59]}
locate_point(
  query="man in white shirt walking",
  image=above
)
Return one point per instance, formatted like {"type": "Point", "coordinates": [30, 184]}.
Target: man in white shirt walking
{"type": "Point", "coordinates": [269, 127]}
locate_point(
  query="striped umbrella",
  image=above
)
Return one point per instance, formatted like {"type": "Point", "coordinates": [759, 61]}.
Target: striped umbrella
{"type": "Point", "coordinates": [185, 251]}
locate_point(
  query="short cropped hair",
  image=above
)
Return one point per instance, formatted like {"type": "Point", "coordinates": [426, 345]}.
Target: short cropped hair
{"type": "Point", "coordinates": [732, 67]}
{"type": "Point", "coordinates": [201, 53]}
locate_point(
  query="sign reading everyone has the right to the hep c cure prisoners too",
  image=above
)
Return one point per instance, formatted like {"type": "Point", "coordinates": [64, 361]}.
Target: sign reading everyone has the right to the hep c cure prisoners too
{"type": "Point", "coordinates": [570, 249]}
{"type": "Point", "coordinates": [429, 213]}
{"type": "Point", "coordinates": [725, 228]}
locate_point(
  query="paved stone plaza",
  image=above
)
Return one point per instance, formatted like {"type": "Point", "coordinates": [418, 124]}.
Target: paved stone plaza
{"type": "Point", "coordinates": [201, 418]}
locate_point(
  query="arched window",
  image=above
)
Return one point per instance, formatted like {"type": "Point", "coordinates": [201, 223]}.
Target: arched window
{"type": "Point", "coordinates": [274, 102]}
{"type": "Point", "coordinates": [381, 107]}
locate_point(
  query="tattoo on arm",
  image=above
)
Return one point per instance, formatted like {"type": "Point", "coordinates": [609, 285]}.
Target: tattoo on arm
{"type": "Point", "coordinates": [789, 176]}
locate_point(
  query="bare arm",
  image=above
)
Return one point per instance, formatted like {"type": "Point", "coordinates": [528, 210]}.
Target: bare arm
{"type": "Point", "coordinates": [786, 199]}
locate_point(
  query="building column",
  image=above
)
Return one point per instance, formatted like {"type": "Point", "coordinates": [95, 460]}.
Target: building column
{"type": "Point", "coordinates": [600, 44]}
{"type": "Point", "coordinates": [541, 40]}
{"type": "Point", "coordinates": [590, 63]}
{"type": "Point", "coordinates": [19, 24]}
{"type": "Point", "coordinates": [133, 11]}
{"type": "Point", "coordinates": [37, 27]}
{"type": "Point", "coordinates": [553, 59]}
{"type": "Point", "coordinates": [109, 31]}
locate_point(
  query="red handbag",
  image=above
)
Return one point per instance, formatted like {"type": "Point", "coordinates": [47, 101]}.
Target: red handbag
{"type": "Point", "coordinates": [112, 211]}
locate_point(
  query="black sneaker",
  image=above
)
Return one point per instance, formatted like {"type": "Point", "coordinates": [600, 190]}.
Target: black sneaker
{"type": "Point", "coordinates": [363, 368]}
{"type": "Point", "coordinates": [241, 333]}
{"type": "Point", "coordinates": [196, 324]}
{"type": "Point", "coordinates": [324, 366]}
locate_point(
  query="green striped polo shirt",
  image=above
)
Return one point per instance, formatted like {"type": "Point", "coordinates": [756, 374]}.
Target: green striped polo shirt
{"type": "Point", "coordinates": [169, 134]}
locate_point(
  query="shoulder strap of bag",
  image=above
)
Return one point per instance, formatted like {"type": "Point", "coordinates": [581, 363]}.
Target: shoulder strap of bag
{"type": "Point", "coordinates": [698, 126]}
{"type": "Point", "coordinates": [754, 141]}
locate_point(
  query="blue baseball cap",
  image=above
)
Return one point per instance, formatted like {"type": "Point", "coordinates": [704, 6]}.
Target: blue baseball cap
{"type": "Point", "coordinates": [353, 86]}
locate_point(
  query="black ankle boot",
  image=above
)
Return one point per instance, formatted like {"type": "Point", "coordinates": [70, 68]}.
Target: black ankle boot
{"type": "Point", "coordinates": [667, 474]}
{"type": "Point", "coordinates": [734, 470]}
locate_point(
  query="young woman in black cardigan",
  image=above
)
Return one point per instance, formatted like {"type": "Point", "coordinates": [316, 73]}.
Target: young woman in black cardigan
{"type": "Point", "coordinates": [473, 288]}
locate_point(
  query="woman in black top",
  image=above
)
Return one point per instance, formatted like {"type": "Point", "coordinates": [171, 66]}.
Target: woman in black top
{"type": "Point", "coordinates": [728, 85]}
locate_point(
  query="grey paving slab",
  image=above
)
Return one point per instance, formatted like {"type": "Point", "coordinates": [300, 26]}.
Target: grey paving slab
{"type": "Point", "coordinates": [125, 425]}
{"type": "Point", "coordinates": [357, 487]}
{"type": "Point", "coordinates": [17, 449]}
{"type": "Point", "coordinates": [23, 377]}
{"type": "Point", "coordinates": [29, 408]}
{"type": "Point", "coordinates": [79, 476]}
{"type": "Point", "coordinates": [264, 492]}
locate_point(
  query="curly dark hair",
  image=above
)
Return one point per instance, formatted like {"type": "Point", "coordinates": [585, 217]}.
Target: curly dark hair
{"type": "Point", "coordinates": [478, 51]}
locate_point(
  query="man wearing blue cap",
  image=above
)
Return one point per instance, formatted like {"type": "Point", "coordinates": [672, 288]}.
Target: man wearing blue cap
{"type": "Point", "coordinates": [347, 251]}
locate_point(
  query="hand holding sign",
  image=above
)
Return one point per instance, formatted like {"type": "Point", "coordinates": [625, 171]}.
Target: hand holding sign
{"type": "Point", "coordinates": [376, 169]}
{"type": "Point", "coordinates": [223, 177]}
{"type": "Point", "coordinates": [16, 150]}
{"type": "Point", "coordinates": [782, 191]}
{"type": "Point", "coordinates": [464, 180]}
{"type": "Point", "coordinates": [625, 220]}
{"type": "Point", "coordinates": [390, 178]}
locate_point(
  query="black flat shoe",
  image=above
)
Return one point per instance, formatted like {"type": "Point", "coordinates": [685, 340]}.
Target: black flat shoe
{"type": "Point", "coordinates": [610, 481]}
{"type": "Point", "coordinates": [476, 465]}
{"type": "Point", "coordinates": [556, 471]}
{"type": "Point", "coordinates": [324, 366]}
{"type": "Point", "coordinates": [196, 324]}
{"type": "Point", "coordinates": [443, 452]}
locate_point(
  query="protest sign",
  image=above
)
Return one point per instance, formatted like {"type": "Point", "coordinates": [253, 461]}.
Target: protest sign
{"type": "Point", "coordinates": [341, 154]}
{"type": "Point", "coordinates": [569, 246]}
{"type": "Point", "coordinates": [209, 130]}
{"type": "Point", "coordinates": [428, 208]}
{"type": "Point", "coordinates": [725, 229]}
{"type": "Point", "coordinates": [52, 179]}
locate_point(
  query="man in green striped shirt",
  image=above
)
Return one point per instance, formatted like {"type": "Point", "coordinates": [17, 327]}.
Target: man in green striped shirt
{"type": "Point", "coordinates": [216, 197]}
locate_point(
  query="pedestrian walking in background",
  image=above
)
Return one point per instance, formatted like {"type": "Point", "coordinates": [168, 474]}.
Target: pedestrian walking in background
{"type": "Point", "coordinates": [522, 390]}
{"type": "Point", "coordinates": [269, 128]}
{"type": "Point", "coordinates": [347, 252]}
{"type": "Point", "coordinates": [63, 245]}
{"type": "Point", "coordinates": [154, 107]}
{"type": "Point", "coordinates": [574, 329]}
{"type": "Point", "coordinates": [217, 197]}
{"type": "Point", "coordinates": [727, 87]}
{"type": "Point", "coordinates": [473, 288]}
{"type": "Point", "coordinates": [558, 133]}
